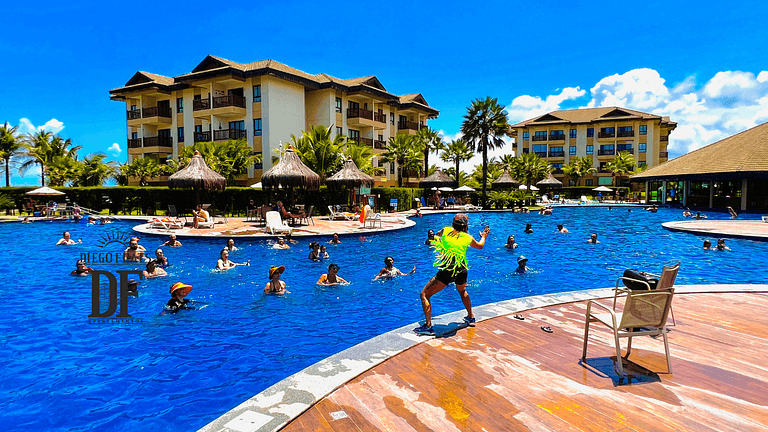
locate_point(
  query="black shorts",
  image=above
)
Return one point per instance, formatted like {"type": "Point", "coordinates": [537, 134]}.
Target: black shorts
{"type": "Point", "coordinates": [448, 276]}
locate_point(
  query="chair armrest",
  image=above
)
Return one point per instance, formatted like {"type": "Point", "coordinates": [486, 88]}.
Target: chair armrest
{"type": "Point", "coordinates": [633, 280]}
{"type": "Point", "coordinates": [611, 311]}
{"type": "Point", "coordinates": [652, 274]}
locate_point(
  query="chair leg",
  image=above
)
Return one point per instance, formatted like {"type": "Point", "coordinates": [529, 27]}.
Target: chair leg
{"type": "Point", "coordinates": [586, 334]}
{"type": "Point", "coordinates": [666, 349]}
{"type": "Point", "coordinates": [672, 311]}
{"type": "Point", "coordinates": [619, 360]}
{"type": "Point", "coordinates": [629, 346]}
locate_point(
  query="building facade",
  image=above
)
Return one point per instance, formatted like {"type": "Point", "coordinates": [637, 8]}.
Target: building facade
{"type": "Point", "coordinates": [264, 102]}
{"type": "Point", "coordinates": [599, 133]}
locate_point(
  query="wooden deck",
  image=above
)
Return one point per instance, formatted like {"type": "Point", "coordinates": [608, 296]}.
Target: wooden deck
{"type": "Point", "coordinates": [508, 375]}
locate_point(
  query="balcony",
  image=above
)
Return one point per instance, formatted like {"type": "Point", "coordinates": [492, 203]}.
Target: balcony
{"type": "Point", "coordinates": [407, 126]}
{"type": "Point", "coordinates": [359, 112]}
{"type": "Point", "coordinates": [557, 137]}
{"type": "Point", "coordinates": [380, 145]}
{"type": "Point", "coordinates": [133, 114]}
{"type": "Point", "coordinates": [606, 152]}
{"type": "Point", "coordinates": [379, 117]}
{"type": "Point", "coordinates": [158, 142]}
{"type": "Point", "coordinates": [201, 104]}
{"type": "Point", "coordinates": [202, 136]}
{"type": "Point", "coordinates": [556, 153]}
{"type": "Point", "coordinates": [229, 101]}
{"type": "Point", "coordinates": [156, 112]}
{"type": "Point", "coordinates": [363, 141]}
{"type": "Point", "coordinates": [606, 134]}
{"type": "Point", "coordinates": [539, 138]}
{"type": "Point", "coordinates": [228, 134]}
{"type": "Point", "coordinates": [663, 154]}
{"type": "Point", "coordinates": [623, 134]}
{"type": "Point", "coordinates": [540, 154]}
{"type": "Point", "coordinates": [626, 149]}
{"type": "Point", "coordinates": [134, 143]}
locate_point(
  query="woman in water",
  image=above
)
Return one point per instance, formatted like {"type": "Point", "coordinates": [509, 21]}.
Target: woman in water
{"type": "Point", "coordinates": [153, 271]}
{"type": "Point", "coordinates": [160, 259]}
{"type": "Point", "coordinates": [280, 244]}
{"type": "Point", "coordinates": [179, 290]}
{"type": "Point", "coordinates": [707, 245]}
{"type": "Point", "coordinates": [82, 269]}
{"type": "Point", "coordinates": [314, 254]}
{"type": "Point", "coordinates": [721, 245]}
{"type": "Point", "coordinates": [562, 229]}
{"type": "Point", "coordinates": [528, 229]}
{"type": "Point", "coordinates": [275, 285]}
{"type": "Point", "coordinates": [225, 264]}
{"type": "Point", "coordinates": [430, 237]}
{"type": "Point", "coordinates": [511, 243]}
{"type": "Point", "coordinates": [65, 240]}
{"type": "Point", "coordinates": [335, 239]}
{"type": "Point", "coordinates": [172, 242]}
{"type": "Point", "coordinates": [231, 245]}
{"type": "Point", "coordinates": [389, 270]}
{"type": "Point", "coordinates": [332, 277]}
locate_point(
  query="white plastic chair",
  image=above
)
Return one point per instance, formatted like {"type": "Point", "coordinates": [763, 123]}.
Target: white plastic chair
{"type": "Point", "coordinates": [275, 223]}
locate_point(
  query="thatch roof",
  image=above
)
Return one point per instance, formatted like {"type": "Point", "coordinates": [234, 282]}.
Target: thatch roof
{"type": "Point", "coordinates": [290, 171]}
{"type": "Point", "coordinates": [350, 176]}
{"type": "Point", "coordinates": [505, 181]}
{"type": "Point", "coordinates": [438, 179]}
{"type": "Point", "coordinates": [550, 181]}
{"type": "Point", "coordinates": [744, 154]}
{"type": "Point", "coordinates": [197, 175]}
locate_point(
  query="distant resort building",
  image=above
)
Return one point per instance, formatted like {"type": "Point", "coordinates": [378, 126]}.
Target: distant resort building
{"type": "Point", "coordinates": [599, 133]}
{"type": "Point", "coordinates": [732, 172]}
{"type": "Point", "coordinates": [264, 102]}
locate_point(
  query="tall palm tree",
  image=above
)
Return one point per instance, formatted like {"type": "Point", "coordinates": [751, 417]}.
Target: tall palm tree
{"type": "Point", "coordinates": [320, 150]}
{"type": "Point", "coordinates": [484, 127]}
{"type": "Point", "coordinates": [579, 167]}
{"type": "Point", "coordinates": [10, 146]}
{"type": "Point", "coordinates": [529, 167]}
{"type": "Point", "coordinates": [63, 169]}
{"type": "Point", "coordinates": [506, 161]}
{"type": "Point", "coordinates": [623, 164]}
{"type": "Point", "coordinates": [430, 142]}
{"type": "Point", "coordinates": [42, 148]}
{"type": "Point", "coordinates": [361, 156]}
{"type": "Point", "coordinates": [143, 168]}
{"type": "Point", "coordinates": [401, 150]}
{"type": "Point", "coordinates": [456, 152]}
{"type": "Point", "coordinates": [230, 158]}
{"type": "Point", "coordinates": [94, 171]}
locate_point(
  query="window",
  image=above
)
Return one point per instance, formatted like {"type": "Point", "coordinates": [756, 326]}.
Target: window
{"type": "Point", "coordinates": [558, 134]}
{"type": "Point", "coordinates": [642, 147]}
{"type": "Point", "coordinates": [258, 165]}
{"type": "Point", "coordinates": [353, 105]}
{"type": "Point", "coordinates": [557, 167]}
{"type": "Point", "coordinates": [540, 136]}
{"type": "Point", "coordinates": [381, 137]}
{"type": "Point", "coordinates": [572, 150]}
{"type": "Point", "coordinates": [257, 127]}
{"type": "Point", "coordinates": [179, 105]}
{"type": "Point", "coordinates": [643, 130]}
{"type": "Point", "coordinates": [540, 149]}
{"type": "Point", "coordinates": [198, 97]}
{"type": "Point", "coordinates": [625, 128]}
{"type": "Point", "coordinates": [133, 108]}
{"type": "Point", "coordinates": [556, 151]}
{"type": "Point", "coordinates": [526, 135]}
{"type": "Point", "coordinates": [237, 125]}
{"type": "Point", "coordinates": [354, 135]}
{"type": "Point", "coordinates": [257, 93]}
{"type": "Point", "coordinates": [338, 104]}
{"type": "Point", "coordinates": [198, 128]}
{"type": "Point", "coordinates": [339, 131]}
{"type": "Point", "coordinates": [624, 147]}
{"type": "Point", "coordinates": [571, 182]}
{"type": "Point", "coordinates": [573, 133]}
{"type": "Point", "coordinates": [392, 168]}
{"type": "Point", "coordinates": [134, 135]}
{"type": "Point", "coordinates": [607, 149]}
{"type": "Point", "coordinates": [526, 150]}
{"type": "Point", "coordinates": [590, 149]}
{"type": "Point", "coordinates": [588, 182]}
{"type": "Point", "coordinates": [181, 134]}
{"type": "Point", "coordinates": [391, 119]}
{"type": "Point", "coordinates": [590, 132]}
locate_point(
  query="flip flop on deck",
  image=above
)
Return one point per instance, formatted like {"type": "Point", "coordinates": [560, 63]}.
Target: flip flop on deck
{"type": "Point", "coordinates": [547, 329]}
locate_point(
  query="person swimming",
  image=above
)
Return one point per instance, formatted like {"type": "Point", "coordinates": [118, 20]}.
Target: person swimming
{"type": "Point", "coordinates": [65, 240]}
{"type": "Point", "coordinates": [430, 237]}
{"type": "Point", "coordinates": [81, 269]}
{"type": "Point", "coordinates": [314, 254]}
{"type": "Point", "coordinates": [528, 229]}
{"type": "Point", "coordinates": [324, 252]}
{"type": "Point", "coordinates": [153, 270]}
{"type": "Point", "coordinates": [178, 291]}
{"type": "Point", "coordinates": [721, 245]}
{"type": "Point", "coordinates": [593, 239]}
{"type": "Point", "coordinates": [332, 277]}
{"type": "Point", "coordinates": [132, 288]}
{"type": "Point", "coordinates": [172, 242]}
{"type": "Point", "coordinates": [562, 229]}
{"type": "Point", "coordinates": [521, 262]}
{"type": "Point", "coordinates": [160, 259]}
{"type": "Point", "coordinates": [231, 245]}
{"type": "Point", "coordinates": [280, 244]}
{"type": "Point", "coordinates": [511, 244]}
{"type": "Point", "coordinates": [134, 252]}
{"type": "Point", "coordinates": [225, 264]}
{"type": "Point", "coordinates": [335, 239]}
{"type": "Point", "coordinates": [707, 245]}
{"type": "Point", "coordinates": [275, 285]}
{"type": "Point", "coordinates": [389, 270]}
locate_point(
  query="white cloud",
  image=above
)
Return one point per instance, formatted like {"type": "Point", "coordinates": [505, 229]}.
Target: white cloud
{"type": "Point", "coordinates": [115, 149]}
{"type": "Point", "coordinates": [525, 106]}
{"type": "Point", "coordinates": [26, 127]}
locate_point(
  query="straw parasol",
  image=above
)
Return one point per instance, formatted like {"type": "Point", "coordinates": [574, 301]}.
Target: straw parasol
{"type": "Point", "coordinates": [198, 176]}
{"type": "Point", "coordinates": [505, 181]}
{"type": "Point", "coordinates": [290, 172]}
{"type": "Point", "coordinates": [45, 191]}
{"type": "Point", "coordinates": [438, 179]}
{"type": "Point", "coordinates": [550, 182]}
{"type": "Point", "coordinates": [350, 176]}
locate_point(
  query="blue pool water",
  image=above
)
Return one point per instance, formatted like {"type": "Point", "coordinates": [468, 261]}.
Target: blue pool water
{"type": "Point", "coordinates": [181, 371]}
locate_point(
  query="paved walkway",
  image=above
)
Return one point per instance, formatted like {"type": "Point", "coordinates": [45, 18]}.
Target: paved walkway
{"type": "Point", "coordinates": [747, 229]}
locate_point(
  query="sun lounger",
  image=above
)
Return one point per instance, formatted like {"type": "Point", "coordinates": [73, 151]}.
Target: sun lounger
{"type": "Point", "coordinates": [275, 223]}
{"type": "Point", "coordinates": [472, 207]}
{"type": "Point", "coordinates": [167, 223]}
{"type": "Point", "coordinates": [338, 215]}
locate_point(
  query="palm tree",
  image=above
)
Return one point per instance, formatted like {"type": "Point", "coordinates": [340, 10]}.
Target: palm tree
{"type": "Point", "coordinates": [143, 168]}
{"type": "Point", "coordinates": [506, 161]}
{"type": "Point", "coordinates": [10, 145]}
{"type": "Point", "coordinates": [623, 164]}
{"type": "Point", "coordinates": [42, 148]}
{"type": "Point", "coordinates": [529, 167]}
{"type": "Point", "coordinates": [63, 169]}
{"type": "Point", "coordinates": [231, 158]}
{"type": "Point", "coordinates": [484, 126]}
{"type": "Point", "coordinates": [430, 142]}
{"type": "Point", "coordinates": [579, 167]}
{"type": "Point", "coordinates": [462, 178]}
{"type": "Point", "coordinates": [94, 171]}
{"type": "Point", "coordinates": [456, 152]}
{"type": "Point", "coordinates": [401, 150]}
{"type": "Point", "coordinates": [320, 150]}
{"type": "Point", "coordinates": [361, 156]}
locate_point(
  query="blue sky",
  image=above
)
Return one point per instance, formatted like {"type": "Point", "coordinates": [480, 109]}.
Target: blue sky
{"type": "Point", "coordinates": [698, 62]}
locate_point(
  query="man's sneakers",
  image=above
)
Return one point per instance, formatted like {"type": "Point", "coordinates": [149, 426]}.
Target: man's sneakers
{"type": "Point", "coordinates": [424, 330]}
{"type": "Point", "coordinates": [469, 320]}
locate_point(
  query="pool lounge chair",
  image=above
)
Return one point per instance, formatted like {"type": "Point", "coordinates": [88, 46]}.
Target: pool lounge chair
{"type": "Point", "coordinates": [308, 216]}
{"type": "Point", "coordinates": [275, 223]}
{"type": "Point", "coordinates": [167, 223]}
{"type": "Point", "coordinates": [373, 218]}
{"type": "Point", "coordinates": [472, 207]}
{"type": "Point", "coordinates": [585, 200]}
{"type": "Point", "coordinates": [337, 215]}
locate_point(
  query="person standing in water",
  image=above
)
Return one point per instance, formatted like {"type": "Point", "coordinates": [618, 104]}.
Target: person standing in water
{"type": "Point", "coordinates": [452, 267]}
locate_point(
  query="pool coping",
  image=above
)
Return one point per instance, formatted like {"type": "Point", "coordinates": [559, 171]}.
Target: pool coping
{"type": "Point", "coordinates": [280, 403]}
{"type": "Point", "coordinates": [726, 229]}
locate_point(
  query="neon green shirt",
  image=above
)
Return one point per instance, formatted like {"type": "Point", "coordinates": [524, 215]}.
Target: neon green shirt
{"type": "Point", "coordinates": [452, 250]}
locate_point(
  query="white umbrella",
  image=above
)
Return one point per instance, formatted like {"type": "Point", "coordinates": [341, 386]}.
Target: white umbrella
{"type": "Point", "coordinates": [464, 188]}
{"type": "Point", "coordinates": [434, 188]}
{"type": "Point", "coordinates": [602, 189]}
{"type": "Point", "coordinates": [532, 187]}
{"type": "Point", "coordinates": [256, 185]}
{"type": "Point", "coordinates": [446, 189]}
{"type": "Point", "coordinates": [45, 191]}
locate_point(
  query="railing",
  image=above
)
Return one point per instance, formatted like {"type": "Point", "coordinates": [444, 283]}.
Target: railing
{"type": "Point", "coordinates": [557, 137]}
{"type": "Point", "coordinates": [663, 154]}
{"type": "Point", "coordinates": [227, 134]}
{"type": "Point", "coordinates": [630, 133]}
{"type": "Point", "coordinates": [626, 149]}
{"type": "Point", "coordinates": [134, 143]}
{"type": "Point", "coordinates": [408, 125]}
{"type": "Point", "coordinates": [158, 142]}
{"type": "Point", "coordinates": [556, 153]}
{"type": "Point", "coordinates": [229, 100]}
{"type": "Point", "coordinates": [540, 154]}
{"type": "Point", "coordinates": [202, 136]}
{"type": "Point", "coordinates": [364, 141]}
{"type": "Point", "coordinates": [380, 144]}
{"type": "Point", "coordinates": [557, 171]}
{"type": "Point", "coordinates": [664, 138]}
{"type": "Point", "coordinates": [201, 104]}
{"type": "Point", "coordinates": [359, 112]}
{"type": "Point", "coordinates": [379, 117]}
{"type": "Point", "coordinates": [606, 135]}
{"type": "Point", "coordinates": [539, 138]}
{"type": "Point", "coordinates": [156, 112]}
{"type": "Point", "coordinates": [133, 114]}
{"type": "Point", "coordinates": [606, 152]}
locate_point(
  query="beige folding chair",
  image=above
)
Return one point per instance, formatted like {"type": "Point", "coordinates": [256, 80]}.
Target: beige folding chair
{"type": "Point", "coordinates": [666, 281]}
{"type": "Point", "coordinates": [644, 314]}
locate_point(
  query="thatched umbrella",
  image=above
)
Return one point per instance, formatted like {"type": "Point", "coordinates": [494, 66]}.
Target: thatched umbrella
{"type": "Point", "coordinates": [197, 175]}
{"type": "Point", "coordinates": [438, 179]}
{"type": "Point", "coordinates": [351, 177]}
{"type": "Point", "coordinates": [291, 172]}
{"type": "Point", "coordinates": [550, 182]}
{"type": "Point", "coordinates": [505, 181]}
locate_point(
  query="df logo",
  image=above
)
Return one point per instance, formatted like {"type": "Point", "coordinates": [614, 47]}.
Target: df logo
{"type": "Point", "coordinates": [108, 316]}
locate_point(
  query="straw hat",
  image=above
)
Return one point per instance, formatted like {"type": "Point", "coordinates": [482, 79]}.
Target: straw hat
{"type": "Point", "coordinates": [181, 285]}
{"type": "Point", "coordinates": [273, 270]}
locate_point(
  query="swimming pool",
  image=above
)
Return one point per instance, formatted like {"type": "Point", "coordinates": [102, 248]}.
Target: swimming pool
{"type": "Point", "coordinates": [179, 372]}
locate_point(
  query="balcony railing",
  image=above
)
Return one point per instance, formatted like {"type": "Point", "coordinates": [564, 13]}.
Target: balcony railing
{"type": "Point", "coordinates": [556, 153]}
{"type": "Point", "coordinates": [408, 125]}
{"type": "Point", "coordinates": [606, 135]}
{"type": "Point", "coordinates": [156, 112]}
{"type": "Point", "coordinates": [626, 149]}
{"type": "Point", "coordinates": [158, 142]}
{"type": "Point", "coordinates": [663, 154]}
{"type": "Point", "coordinates": [133, 114]}
{"type": "Point", "coordinates": [557, 171]}
{"type": "Point", "coordinates": [623, 134]}
{"type": "Point", "coordinates": [229, 101]}
{"type": "Point", "coordinates": [201, 104]}
{"type": "Point", "coordinates": [228, 134]}
{"type": "Point", "coordinates": [606, 152]}
{"type": "Point", "coordinates": [380, 144]}
{"type": "Point", "coordinates": [359, 112]}
{"type": "Point", "coordinates": [379, 117]}
{"type": "Point", "coordinates": [664, 138]}
{"type": "Point", "coordinates": [539, 138]}
{"type": "Point", "coordinates": [557, 137]}
{"type": "Point", "coordinates": [134, 143]}
{"type": "Point", "coordinates": [202, 136]}
{"type": "Point", "coordinates": [540, 154]}
{"type": "Point", "coordinates": [364, 141]}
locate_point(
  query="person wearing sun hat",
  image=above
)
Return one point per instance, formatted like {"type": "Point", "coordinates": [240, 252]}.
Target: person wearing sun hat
{"type": "Point", "coordinates": [178, 291]}
{"type": "Point", "coordinates": [521, 262]}
{"type": "Point", "coordinates": [451, 243]}
{"type": "Point", "coordinates": [132, 287]}
{"type": "Point", "coordinates": [275, 285]}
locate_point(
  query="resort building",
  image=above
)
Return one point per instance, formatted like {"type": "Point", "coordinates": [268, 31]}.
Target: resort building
{"type": "Point", "coordinates": [264, 102]}
{"type": "Point", "coordinates": [732, 172]}
{"type": "Point", "coordinates": [600, 133]}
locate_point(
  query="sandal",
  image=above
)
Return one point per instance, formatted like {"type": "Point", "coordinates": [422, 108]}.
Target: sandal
{"type": "Point", "coordinates": [519, 317]}
{"type": "Point", "coordinates": [547, 329]}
